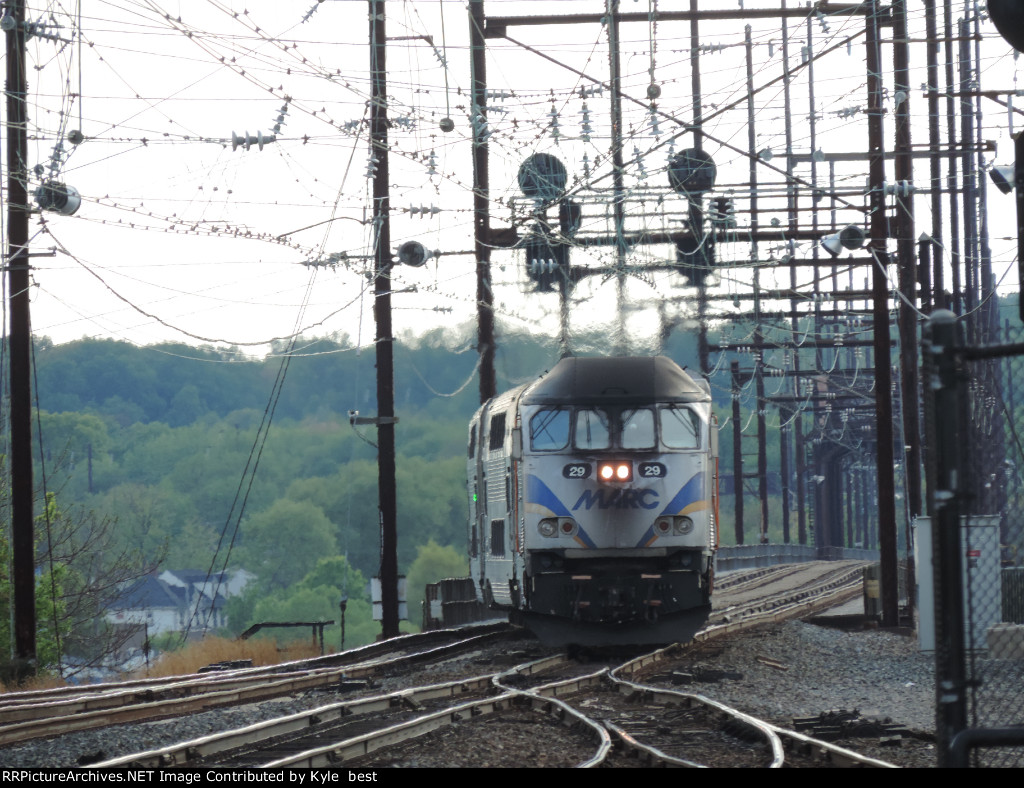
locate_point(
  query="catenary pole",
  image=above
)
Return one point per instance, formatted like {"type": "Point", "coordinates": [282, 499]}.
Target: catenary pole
{"type": "Point", "coordinates": [382, 317]}
{"type": "Point", "coordinates": [481, 206]}
{"type": "Point", "coordinates": [20, 341]}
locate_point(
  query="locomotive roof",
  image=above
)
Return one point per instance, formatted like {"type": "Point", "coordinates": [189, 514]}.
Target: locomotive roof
{"type": "Point", "coordinates": [621, 380]}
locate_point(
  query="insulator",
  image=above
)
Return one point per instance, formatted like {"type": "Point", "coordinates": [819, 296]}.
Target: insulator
{"type": "Point", "coordinates": [655, 128]}
{"type": "Point", "coordinates": [641, 172]}
{"type": "Point", "coordinates": [247, 141]}
{"type": "Point", "coordinates": [310, 12]}
{"type": "Point", "coordinates": [720, 212]}
{"type": "Point", "coordinates": [546, 262]}
{"type": "Point", "coordinates": [587, 128]}
{"type": "Point", "coordinates": [480, 127]}
{"type": "Point", "coordinates": [553, 114]}
{"type": "Point", "coordinates": [899, 189]}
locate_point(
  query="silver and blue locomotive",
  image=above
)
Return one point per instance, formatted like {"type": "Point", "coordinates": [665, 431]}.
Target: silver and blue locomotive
{"type": "Point", "coordinates": [594, 502]}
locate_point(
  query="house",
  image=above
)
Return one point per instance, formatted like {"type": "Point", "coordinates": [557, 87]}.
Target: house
{"type": "Point", "coordinates": [177, 601]}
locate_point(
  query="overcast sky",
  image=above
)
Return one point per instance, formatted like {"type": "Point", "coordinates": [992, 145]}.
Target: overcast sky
{"type": "Point", "coordinates": [180, 237]}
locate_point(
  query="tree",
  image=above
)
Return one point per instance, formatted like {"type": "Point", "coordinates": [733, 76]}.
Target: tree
{"type": "Point", "coordinates": [317, 604]}
{"type": "Point", "coordinates": [282, 544]}
{"type": "Point", "coordinates": [337, 573]}
{"type": "Point", "coordinates": [314, 598]}
{"type": "Point", "coordinates": [80, 570]}
{"type": "Point", "coordinates": [433, 563]}
{"type": "Point", "coordinates": [349, 499]}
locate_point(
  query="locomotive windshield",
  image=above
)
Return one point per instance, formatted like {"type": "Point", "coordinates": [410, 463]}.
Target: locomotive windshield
{"type": "Point", "coordinates": [549, 430]}
{"type": "Point", "coordinates": [595, 429]}
{"type": "Point", "coordinates": [638, 429]}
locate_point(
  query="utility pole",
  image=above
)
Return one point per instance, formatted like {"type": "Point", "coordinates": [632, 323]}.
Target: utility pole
{"type": "Point", "coordinates": [382, 317]}
{"type": "Point", "coordinates": [880, 311]}
{"type": "Point", "coordinates": [481, 197]}
{"type": "Point", "coordinates": [618, 171]}
{"type": "Point", "coordinates": [20, 340]}
{"type": "Point", "coordinates": [907, 267]}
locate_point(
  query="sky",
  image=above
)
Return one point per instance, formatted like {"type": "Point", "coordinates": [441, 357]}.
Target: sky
{"type": "Point", "coordinates": [183, 237]}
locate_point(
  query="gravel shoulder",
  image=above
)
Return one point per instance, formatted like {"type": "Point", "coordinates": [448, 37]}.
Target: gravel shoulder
{"type": "Point", "coordinates": [796, 669]}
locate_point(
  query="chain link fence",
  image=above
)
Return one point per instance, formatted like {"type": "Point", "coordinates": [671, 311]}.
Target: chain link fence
{"type": "Point", "coordinates": [975, 420]}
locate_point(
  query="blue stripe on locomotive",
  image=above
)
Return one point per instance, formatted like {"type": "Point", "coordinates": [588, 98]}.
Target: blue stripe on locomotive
{"type": "Point", "coordinates": [687, 500]}
{"type": "Point", "coordinates": [541, 500]}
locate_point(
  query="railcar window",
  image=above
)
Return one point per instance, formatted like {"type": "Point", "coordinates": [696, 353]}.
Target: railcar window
{"type": "Point", "coordinates": [471, 449]}
{"type": "Point", "coordinates": [592, 429]}
{"type": "Point", "coordinates": [680, 428]}
{"type": "Point", "coordinates": [638, 429]}
{"type": "Point", "coordinates": [549, 430]}
{"type": "Point", "coordinates": [497, 432]}
{"type": "Point", "coordinates": [498, 538]}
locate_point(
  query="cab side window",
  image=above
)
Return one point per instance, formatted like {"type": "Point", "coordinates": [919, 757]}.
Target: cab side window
{"type": "Point", "coordinates": [680, 428]}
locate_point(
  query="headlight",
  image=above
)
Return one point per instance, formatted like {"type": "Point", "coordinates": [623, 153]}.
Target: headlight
{"type": "Point", "coordinates": [683, 525]}
{"type": "Point", "coordinates": [548, 528]}
{"type": "Point", "coordinates": [617, 471]}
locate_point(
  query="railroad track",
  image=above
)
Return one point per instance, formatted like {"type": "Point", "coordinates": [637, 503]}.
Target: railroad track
{"type": "Point", "coordinates": [49, 713]}
{"type": "Point", "coordinates": [582, 720]}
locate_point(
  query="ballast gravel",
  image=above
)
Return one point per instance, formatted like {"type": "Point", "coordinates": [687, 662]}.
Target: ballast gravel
{"type": "Point", "coordinates": [790, 670]}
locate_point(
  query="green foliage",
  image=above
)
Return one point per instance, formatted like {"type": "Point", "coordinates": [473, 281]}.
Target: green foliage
{"type": "Point", "coordinates": [349, 499]}
{"type": "Point", "coordinates": [280, 544]}
{"type": "Point", "coordinates": [337, 573]}
{"type": "Point", "coordinates": [316, 597]}
{"type": "Point", "coordinates": [50, 578]}
{"type": "Point", "coordinates": [171, 429]}
{"type": "Point", "coordinates": [432, 503]}
{"type": "Point", "coordinates": [433, 563]}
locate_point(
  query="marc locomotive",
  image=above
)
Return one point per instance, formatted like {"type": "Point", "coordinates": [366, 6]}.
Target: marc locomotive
{"type": "Point", "coordinates": [594, 502]}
